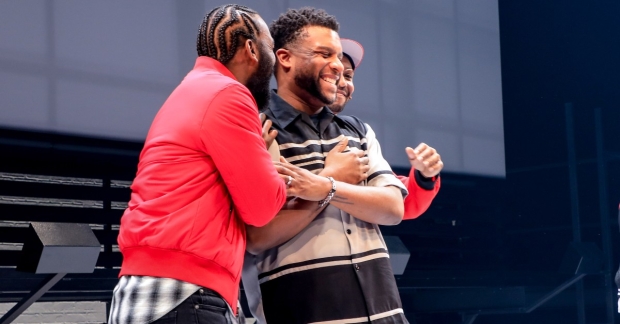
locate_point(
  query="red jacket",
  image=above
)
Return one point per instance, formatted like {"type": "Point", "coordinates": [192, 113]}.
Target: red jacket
{"type": "Point", "coordinates": [420, 194]}
{"type": "Point", "coordinates": [203, 174]}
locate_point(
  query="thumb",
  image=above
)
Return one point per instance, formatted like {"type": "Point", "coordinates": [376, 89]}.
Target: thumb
{"type": "Point", "coordinates": [410, 153]}
{"type": "Point", "coordinates": [341, 146]}
{"type": "Point", "coordinates": [283, 160]}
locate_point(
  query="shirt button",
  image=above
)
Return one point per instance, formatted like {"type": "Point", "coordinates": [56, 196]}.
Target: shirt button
{"type": "Point", "coordinates": [357, 267]}
{"type": "Point", "coordinates": [348, 231]}
{"type": "Point", "coordinates": [196, 306]}
{"type": "Point", "coordinates": [202, 291]}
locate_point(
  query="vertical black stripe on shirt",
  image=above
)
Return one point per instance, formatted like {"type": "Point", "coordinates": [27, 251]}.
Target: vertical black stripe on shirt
{"type": "Point", "coordinates": [307, 297]}
{"type": "Point", "coordinates": [133, 296]}
{"type": "Point", "coordinates": [380, 289]}
{"type": "Point", "coordinates": [153, 300]}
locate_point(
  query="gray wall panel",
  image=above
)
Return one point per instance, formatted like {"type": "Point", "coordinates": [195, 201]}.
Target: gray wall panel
{"type": "Point", "coordinates": [431, 71]}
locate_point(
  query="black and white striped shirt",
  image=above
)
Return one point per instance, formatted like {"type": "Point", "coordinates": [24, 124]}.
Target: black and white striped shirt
{"type": "Point", "coordinates": [337, 269]}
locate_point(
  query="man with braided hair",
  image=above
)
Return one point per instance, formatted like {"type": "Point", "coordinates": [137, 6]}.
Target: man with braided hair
{"type": "Point", "coordinates": [183, 234]}
{"type": "Point", "coordinates": [324, 262]}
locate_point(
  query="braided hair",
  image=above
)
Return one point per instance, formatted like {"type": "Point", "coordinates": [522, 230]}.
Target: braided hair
{"type": "Point", "coordinates": [223, 29]}
{"type": "Point", "coordinates": [289, 27]}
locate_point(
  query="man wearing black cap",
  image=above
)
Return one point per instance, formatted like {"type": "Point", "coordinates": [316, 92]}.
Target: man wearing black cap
{"type": "Point", "coordinates": [425, 161]}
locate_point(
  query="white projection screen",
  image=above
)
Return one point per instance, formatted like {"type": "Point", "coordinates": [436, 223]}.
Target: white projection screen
{"type": "Point", "coordinates": [431, 71]}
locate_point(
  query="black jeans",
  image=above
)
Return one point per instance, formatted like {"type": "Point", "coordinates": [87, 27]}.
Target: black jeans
{"type": "Point", "coordinates": [203, 307]}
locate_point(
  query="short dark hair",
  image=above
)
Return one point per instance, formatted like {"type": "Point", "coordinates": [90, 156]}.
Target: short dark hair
{"type": "Point", "coordinates": [288, 27]}
{"type": "Point", "coordinates": [221, 42]}
{"type": "Point", "coordinates": [350, 60]}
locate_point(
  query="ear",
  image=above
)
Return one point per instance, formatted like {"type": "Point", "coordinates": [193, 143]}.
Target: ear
{"type": "Point", "coordinates": [251, 50]}
{"type": "Point", "coordinates": [284, 58]}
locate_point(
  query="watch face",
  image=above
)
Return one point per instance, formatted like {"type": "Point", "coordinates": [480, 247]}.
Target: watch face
{"type": "Point", "coordinates": [274, 151]}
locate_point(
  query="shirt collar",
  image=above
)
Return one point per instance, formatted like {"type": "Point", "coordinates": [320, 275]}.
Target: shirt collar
{"type": "Point", "coordinates": [285, 114]}
{"type": "Point", "coordinates": [282, 111]}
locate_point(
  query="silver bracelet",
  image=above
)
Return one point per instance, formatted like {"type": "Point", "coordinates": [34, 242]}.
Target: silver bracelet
{"type": "Point", "coordinates": [330, 195]}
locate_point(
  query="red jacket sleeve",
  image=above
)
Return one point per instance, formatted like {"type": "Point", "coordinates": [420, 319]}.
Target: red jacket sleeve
{"type": "Point", "coordinates": [231, 135]}
{"type": "Point", "coordinates": [420, 194]}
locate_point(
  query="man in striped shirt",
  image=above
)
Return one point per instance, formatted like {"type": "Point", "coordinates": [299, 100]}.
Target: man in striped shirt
{"type": "Point", "coordinates": [183, 234]}
{"type": "Point", "coordinates": [325, 262]}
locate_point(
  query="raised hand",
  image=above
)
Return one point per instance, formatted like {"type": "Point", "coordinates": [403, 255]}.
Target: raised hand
{"type": "Point", "coordinates": [425, 159]}
{"type": "Point", "coordinates": [350, 166]}
{"type": "Point", "coordinates": [268, 136]}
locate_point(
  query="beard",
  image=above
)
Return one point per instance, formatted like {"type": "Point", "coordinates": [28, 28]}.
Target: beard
{"type": "Point", "coordinates": [258, 83]}
{"type": "Point", "coordinates": [337, 107]}
{"type": "Point", "coordinates": [305, 80]}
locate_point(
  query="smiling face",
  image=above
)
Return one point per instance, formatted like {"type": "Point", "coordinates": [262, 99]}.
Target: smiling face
{"type": "Point", "coordinates": [316, 64]}
{"type": "Point", "coordinates": [345, 87]}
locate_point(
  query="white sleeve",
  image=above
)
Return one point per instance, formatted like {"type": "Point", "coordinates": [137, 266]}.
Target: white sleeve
{"type": "Point", "coordinates": [380, 173]}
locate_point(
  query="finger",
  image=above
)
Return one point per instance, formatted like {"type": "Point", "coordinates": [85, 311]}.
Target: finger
{"type": "Point", "coordinates": [410, 153]}
{"type": "Point", "coordinates": [365, 168]}
{"type": "Point", "coordinates": [437, 167]}
{"type": "Point", "coordinates": [359, 153]}
{"type": "Point", "coordinates": [431, 164]}
{"type": "Point", "coordinates": [283, 160]}
{"type": "Point", "coordinates": [426, 154]}
{"type": "Point", "coordinates": [433, 160]}
{"type": "Point", "coordinates": [284, 177]}
{"type": "Point", "coordinates": [341, 146]}
{"type": "Point", "coordinates": [290, 167]}
{"type": "Point", "coordinates": [364, 160]}
{"type": "Point", "coordinates": [292, 191]}
{"type": "Point", "coordinates": [417, 164]}
{"type": "Point", "coordinates": [268, 141]}
{"type": "Point", "coordinates": [266, 126]}
{"type": "Point", "coordinates": [263, 117]}
{"type": "Point", "coordinates": [421, 147]}
{"type": "Point", "coordinates": [283, 170]}
{"type": "Point", "coordinates": [296, 187]}
{"type": "Point", "coordinates": [288, 180]}
{"type": "Point", "coordinates": [289, 186]}
{"type": "Point", "coordinates": [270, 137]}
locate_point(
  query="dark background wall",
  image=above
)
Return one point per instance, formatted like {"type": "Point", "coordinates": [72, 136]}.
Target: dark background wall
{"type": "Point", "coordinates": [560, 72]}
{"type": "Point", "coordinates": [554, 53]}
